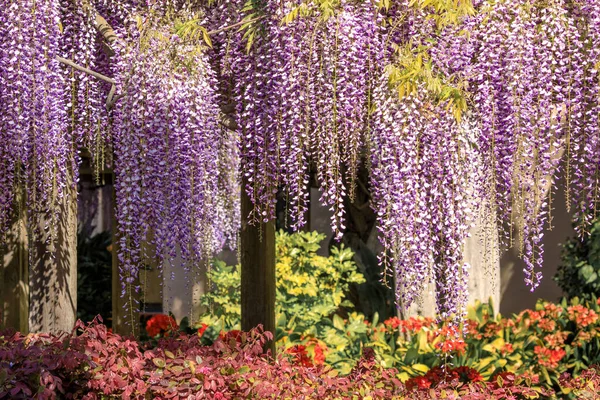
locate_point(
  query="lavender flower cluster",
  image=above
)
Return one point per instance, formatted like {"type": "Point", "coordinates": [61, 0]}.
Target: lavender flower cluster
{"type": "Point", "coordinates": [36, 149]}
{"type": "Point", "coordinates": [308, 95]}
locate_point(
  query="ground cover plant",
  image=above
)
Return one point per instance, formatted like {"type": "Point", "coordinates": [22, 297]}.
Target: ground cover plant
{"type": "Point", "coordinates": [94, 363]}
{"type": "Point", "coordinates": [540, 348]}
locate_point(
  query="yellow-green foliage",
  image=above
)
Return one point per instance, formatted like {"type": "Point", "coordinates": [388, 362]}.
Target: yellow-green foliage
{"type": "Point", "coordinates": [414, 70]}
{"type": "Point", "coordinates": [310, 287]}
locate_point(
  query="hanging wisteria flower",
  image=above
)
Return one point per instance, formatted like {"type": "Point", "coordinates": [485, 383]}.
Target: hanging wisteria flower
{"type": "Point", "coordinates": [458, 114]}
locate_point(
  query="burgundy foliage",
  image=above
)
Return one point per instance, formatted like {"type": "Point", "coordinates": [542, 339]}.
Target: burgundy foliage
{"type": "Point", "coordinates": [92, 362]}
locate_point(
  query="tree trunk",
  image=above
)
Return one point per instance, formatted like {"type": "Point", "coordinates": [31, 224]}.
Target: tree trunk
{"type": "Point", "coordinates": [53, 273]}
{"type": "Point", "coordinates": [14, 287]}
{"type": "Point", "coordinates": [258, 272]}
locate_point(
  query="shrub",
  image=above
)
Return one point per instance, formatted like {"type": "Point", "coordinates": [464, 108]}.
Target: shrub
{"type": "Point", "coordinates": [579, 273]}
{"type": "Point", "coordinates": [545, 342]}
{"type": "Point", "coordinates": [311, 291]}
{"type": "Point", "coordinates": [540, 344]}
{"type": "Point", "coordinates": [93, 363]}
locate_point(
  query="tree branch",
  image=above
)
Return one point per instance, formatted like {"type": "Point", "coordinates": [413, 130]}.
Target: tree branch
{"type": "Point", "coordinates": [86, 70]}
{"type": "Point", "coordinates": [107, 32]}
{"type": "Point", "coordinates": [242, 22]}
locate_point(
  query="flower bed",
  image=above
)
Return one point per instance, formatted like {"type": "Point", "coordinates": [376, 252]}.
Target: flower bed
{"type": "Point", "coordinates": [97, 364]}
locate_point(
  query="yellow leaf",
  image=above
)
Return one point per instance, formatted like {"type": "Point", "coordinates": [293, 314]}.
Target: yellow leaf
{"type": "Point", "coordinates": [169, 354]}
{"type": "Point", "coordinates": [485, 362]}
{"type": "Point", "coordinates": [420, 367]}
{"type": "Point", "coordinates": [403, 376]}
{"type": "Point", "coordinates": [206, 37]}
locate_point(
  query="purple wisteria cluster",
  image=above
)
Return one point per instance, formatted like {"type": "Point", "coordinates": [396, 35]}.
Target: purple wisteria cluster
{"type": "Point", "coordinates": [303, 97]}
{"type": "Point", "coordinates": [424, 171]}
{"type": "Point", "coordinates": [302, 89]}
{"type": "Point", "coordinates": [35, 146]}
{"type": "Point", "coordinates": [176, 166]}
{"type": "Point", "coordinates": [520, 63]}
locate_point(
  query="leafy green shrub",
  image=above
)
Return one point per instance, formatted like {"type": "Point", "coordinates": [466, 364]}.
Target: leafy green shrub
{"type": "Point", "coordinates": [579, 273]}
{"type": "Point", "coordinates": [540, 344]}
{"type": "Point", "coordinates": [535, 346]}
{"type": "Point", "coordinates": [310, 294]}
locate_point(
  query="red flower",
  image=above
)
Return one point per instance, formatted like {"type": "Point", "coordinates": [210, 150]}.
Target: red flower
{"type": "Point", "coordinates": [392, 323]}
{"type": "Point", "coordinates": [448, 346]}
{"type": "Point", "coordinates": [320, 354]}
{"type": "Point", "coordinates": [202, 329]}
{"type": "Point", "coordinates": [419, 382]}
{"type": "Point", "coordinates": [468, 374]}
{"type": "Point", "coordinates": [441, 374]}
{"type": "Point", "coordinates": [437, 375]}
{"type": "Point", "coordinates": [506, 349]}
{"type": "Point", "coordinates": [161, 325]}
{"type": "Point", "coordinates": [300, 355]}
{"type": "Point", "coordinates": [231, 335]}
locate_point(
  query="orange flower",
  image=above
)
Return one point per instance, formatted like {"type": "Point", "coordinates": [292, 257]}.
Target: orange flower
{"type": "Point", "coordinates": [491, 329]}
{"type": "Point", "coordinates": [552, 310]}
{"type": "Point", "coordinates": [582, 316]}
{"type": "Point", "coordinates": [473, 329]}
{"type": "Point", "coordinates": [547, 324]}
{"type": "Point", "coordinates": [548, 358]}
{"type": "Point", "coordinates": [506, 349]}
{"type": "Point", "coordinates": [392, 323]}
{"type": "Point", "coordinates": [448, 346]}
{"type": "Point", "coordinates": [528, 317]}
{"type": "Point", "coordinates": [556, 340]}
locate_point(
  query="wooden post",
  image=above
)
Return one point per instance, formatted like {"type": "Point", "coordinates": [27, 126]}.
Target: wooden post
{"type": "Point", "coordinates": [258, 272]}
{"type": "Point", "coordinates": [53, 272]}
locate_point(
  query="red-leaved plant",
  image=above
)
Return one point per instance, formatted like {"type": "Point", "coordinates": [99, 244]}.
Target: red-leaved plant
{"type": "Point", "coordinates": [93, 363]}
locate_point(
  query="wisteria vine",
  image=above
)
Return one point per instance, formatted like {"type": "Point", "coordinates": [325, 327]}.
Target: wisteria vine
{"type": "Point", "coordinates": [460, 115]}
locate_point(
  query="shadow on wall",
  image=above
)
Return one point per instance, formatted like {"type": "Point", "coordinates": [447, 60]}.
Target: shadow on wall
{"type": "Point", "coordinates": [515, 295]}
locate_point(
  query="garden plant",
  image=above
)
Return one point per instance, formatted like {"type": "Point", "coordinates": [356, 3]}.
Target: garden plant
{"type": "Point", "coordinates": [442, 115]}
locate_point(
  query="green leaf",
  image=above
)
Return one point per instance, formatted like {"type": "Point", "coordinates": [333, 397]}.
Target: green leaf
{"type": "Point", "coordinates": [338, 322]}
